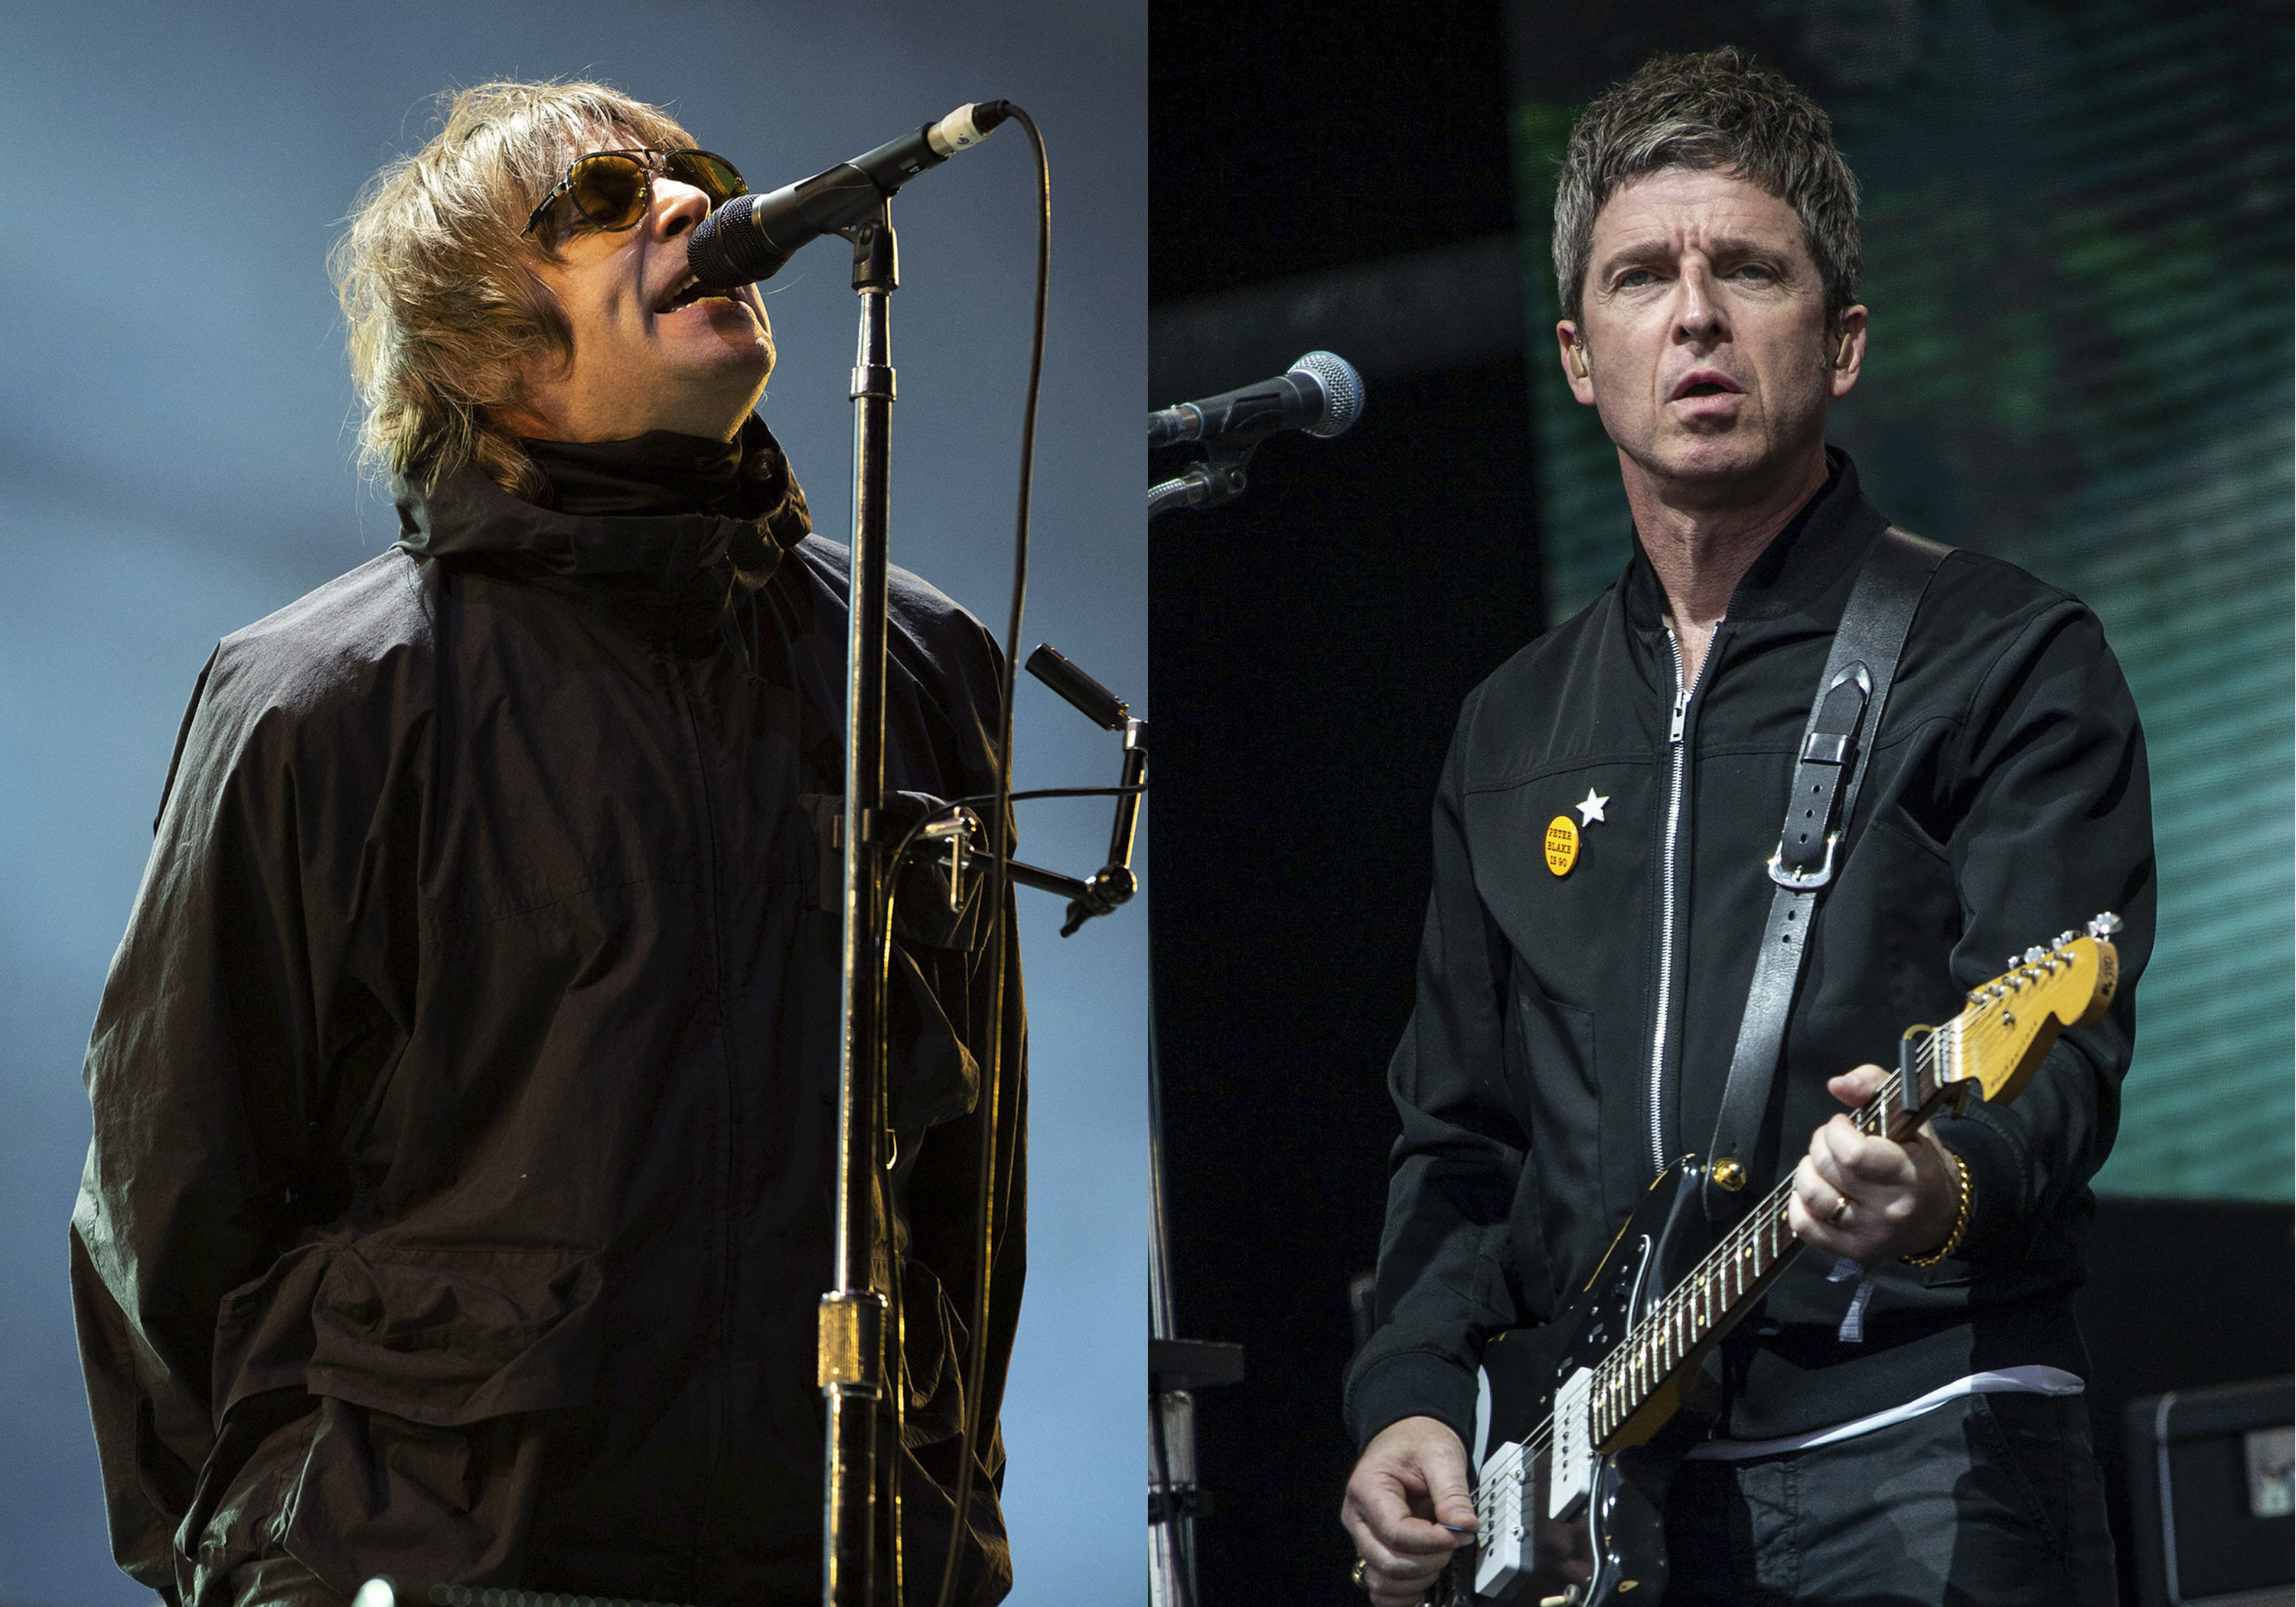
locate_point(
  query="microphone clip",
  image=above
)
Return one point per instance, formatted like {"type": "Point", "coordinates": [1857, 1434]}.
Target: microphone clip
{"type": "Point", "coordinates": [1220, 476]}
{"type": "Point", "coordinates": [1320, 393]}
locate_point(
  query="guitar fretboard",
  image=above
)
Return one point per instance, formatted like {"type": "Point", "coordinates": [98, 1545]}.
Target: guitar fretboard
{"type": "Point", "coordinates": [1712, 1294]}
{"type": "Point", "coordinates": [1991, 1048]}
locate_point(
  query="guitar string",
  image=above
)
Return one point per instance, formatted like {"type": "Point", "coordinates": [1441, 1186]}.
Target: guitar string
{"type": "Point", "coordinates": [1978, 1028]}
{"type": "Point", "coordinates": [1614, 1369]}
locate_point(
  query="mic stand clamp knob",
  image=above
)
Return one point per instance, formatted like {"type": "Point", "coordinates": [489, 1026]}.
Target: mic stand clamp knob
{"type": "Point", "coordinates": [1219, 478]}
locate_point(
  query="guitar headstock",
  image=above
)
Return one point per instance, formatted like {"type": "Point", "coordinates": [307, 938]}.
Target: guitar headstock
{"type": "Point", "coordinates": [1997, 1043]}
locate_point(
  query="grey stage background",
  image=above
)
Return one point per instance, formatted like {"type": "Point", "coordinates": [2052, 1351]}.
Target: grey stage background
{"type": "Point", "coordinates": [176, 461]}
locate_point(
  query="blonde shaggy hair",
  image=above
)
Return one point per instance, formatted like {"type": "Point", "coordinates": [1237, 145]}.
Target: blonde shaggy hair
{"type": "Point", "coordinates": [435, 279]}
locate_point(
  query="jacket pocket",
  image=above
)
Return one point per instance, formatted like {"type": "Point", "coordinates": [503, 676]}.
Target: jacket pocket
{"type": "Point", "coordinates": [934, 1346]}
{"type": "Point", "coordinates": [449, 1337]}
{"type": "Point", "coordinates": [1555, 1082]}
{"type": "Point", "coordinates": [1550, 1052]}
{"type": "Point", "coordinates": [936, 1077]}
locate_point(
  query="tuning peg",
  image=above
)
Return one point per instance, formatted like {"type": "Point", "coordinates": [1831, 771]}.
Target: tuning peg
{"type": "Point", "coordinates": [2104, 925]}
{"type": "Point", "coordinates": [2066, 937]}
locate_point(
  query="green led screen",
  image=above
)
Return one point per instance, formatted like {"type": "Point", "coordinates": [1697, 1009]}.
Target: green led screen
{"type": "Point", "coordinates": [2076, 241]}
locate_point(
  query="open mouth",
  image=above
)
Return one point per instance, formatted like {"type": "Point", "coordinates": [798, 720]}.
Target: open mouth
{"type": "Point", "coordinates": [1704, 384]}
{"type": "Point", "coordinates": [686, 292]}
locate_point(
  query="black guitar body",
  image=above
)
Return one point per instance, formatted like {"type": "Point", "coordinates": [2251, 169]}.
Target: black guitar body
{"type": "Point", "coordinates": [1609, 1397]}
{"type": "Point", "coordinates": [1613, 1545]}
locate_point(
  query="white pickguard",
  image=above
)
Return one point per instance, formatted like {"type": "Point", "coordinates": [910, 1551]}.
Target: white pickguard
{"type": "Point", "coordinates": [1570, 1475]}
{"type": "Point", "coordinates": [1483, 1417]}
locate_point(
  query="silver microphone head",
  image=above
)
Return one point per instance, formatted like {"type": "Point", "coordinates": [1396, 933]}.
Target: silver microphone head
{"type": "Point", "coordinates": [1342, 388]}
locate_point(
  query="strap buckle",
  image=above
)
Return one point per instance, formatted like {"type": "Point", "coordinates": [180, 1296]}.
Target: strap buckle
{"type": "Point", "coordinates": [1799, 880]}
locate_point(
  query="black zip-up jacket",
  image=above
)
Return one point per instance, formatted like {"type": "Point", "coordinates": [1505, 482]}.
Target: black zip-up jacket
{"type": "Point", "coordinates": [1538, 1089]}
{"type": "Point", "coordinates": [464, 1086]}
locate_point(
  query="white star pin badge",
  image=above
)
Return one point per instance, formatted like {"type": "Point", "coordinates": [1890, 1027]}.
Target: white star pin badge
{"type": "Point", "coordinates": [1590, 808]}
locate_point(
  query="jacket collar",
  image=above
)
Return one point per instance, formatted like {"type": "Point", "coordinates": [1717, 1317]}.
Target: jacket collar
{"type": "Point", "coordinates": [655, 514]}
{"type": "Point", "coordinates": [1812, 556]}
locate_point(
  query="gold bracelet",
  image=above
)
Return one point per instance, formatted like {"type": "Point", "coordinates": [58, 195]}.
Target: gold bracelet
{"type": "Point", "coordinates": [1960, 1220]}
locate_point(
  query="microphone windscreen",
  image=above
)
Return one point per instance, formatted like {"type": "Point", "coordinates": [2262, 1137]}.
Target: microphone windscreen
{"type": "Point", "coordinates": [1343, 389]}
{"type": "Point", "coordinates": [727, 250]}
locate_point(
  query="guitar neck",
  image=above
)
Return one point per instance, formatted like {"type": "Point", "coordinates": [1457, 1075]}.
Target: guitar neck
{"type": "Point", "coordinates": [1698, 1311]}
{"type": "Point", "coordinates": [1993, 1047]}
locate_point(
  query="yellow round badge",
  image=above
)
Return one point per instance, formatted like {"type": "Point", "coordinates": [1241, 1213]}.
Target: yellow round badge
{"type": "Point", "coordinates": [1561, 844]}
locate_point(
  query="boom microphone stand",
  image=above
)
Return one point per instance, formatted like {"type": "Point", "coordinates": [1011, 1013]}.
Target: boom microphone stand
{"type": "Point", "coordinates": [851, 1357]}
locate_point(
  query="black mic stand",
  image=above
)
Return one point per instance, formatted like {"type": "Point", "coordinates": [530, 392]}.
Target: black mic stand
{"type": "Point", "coordinates": [1177, 1369]}
{"type": "Point", "coordinates": [1112, 883]}
{"type": "Point", "coordinates": [851, 1356]}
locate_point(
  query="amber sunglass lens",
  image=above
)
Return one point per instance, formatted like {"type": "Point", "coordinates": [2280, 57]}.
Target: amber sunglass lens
{"type": "Point", "coordinates": [610, 191]}
{"type": "Point", "coordinates": [713, 175]}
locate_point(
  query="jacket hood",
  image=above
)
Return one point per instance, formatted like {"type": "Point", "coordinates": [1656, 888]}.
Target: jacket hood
{"type": "Point", "coordinates": [654, 514]}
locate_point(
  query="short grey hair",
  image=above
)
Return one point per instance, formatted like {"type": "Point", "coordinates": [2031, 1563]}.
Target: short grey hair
{"type": "Point", "coordinates": [1716, 111]}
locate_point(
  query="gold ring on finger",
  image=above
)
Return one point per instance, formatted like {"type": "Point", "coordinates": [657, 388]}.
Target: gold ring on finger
{"type": "Point", "coordinates": [1840, 1211]}
{"type": "Point", "coordinates": [1357, 1578]}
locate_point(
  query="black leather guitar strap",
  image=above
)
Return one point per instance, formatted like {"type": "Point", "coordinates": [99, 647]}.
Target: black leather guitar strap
{"type": "Point", "coordinates": [1836, 744]}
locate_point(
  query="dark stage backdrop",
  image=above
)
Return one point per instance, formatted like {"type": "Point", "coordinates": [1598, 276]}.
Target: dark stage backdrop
{"type": "Point", "coordinates": [176, 461]}
{"type": "Point", "coordinates": [2076, 233]}
{"type": "Point", "coordinates": [1311, 645]}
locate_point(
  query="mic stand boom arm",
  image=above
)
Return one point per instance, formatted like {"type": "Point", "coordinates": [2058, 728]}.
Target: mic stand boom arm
{"type": "Point", "coordinates": [1112, 883]}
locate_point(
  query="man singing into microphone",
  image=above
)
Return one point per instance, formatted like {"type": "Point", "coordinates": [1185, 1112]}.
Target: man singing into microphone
{"type": "Point", "coordinates": [464, 1086]}
{"type": "Point", "coordinates": [1910, 1429]}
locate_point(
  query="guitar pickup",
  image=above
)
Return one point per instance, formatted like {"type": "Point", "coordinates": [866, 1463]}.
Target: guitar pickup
{"type": "Point", "coordinates": [1571, 1476]}
{"type": "Point", "coordinates": [1502, 1553]}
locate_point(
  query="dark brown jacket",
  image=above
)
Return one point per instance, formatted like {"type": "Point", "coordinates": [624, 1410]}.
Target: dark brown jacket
{"type": "Point", "coordinates": [464, 1086]}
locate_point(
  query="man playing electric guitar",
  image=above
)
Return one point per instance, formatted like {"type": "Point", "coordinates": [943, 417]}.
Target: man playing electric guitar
{"type": "Point", "coordinates": [1604, 841]}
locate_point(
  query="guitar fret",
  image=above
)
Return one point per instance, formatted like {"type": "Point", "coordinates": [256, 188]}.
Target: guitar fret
{"type": "Point", "coordinates": [1977, 1045]}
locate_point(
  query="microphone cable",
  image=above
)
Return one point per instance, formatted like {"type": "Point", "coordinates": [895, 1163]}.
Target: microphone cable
{"type": "Point", "coordinates": [988, 1102]}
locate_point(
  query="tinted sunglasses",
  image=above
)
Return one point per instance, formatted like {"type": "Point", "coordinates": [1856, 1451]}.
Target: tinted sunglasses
{"type": "Point", "coordinates": [611, 189]}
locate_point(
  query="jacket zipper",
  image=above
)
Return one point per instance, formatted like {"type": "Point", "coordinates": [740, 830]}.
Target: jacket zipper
{"type": "Point", "coordinates": [1669, 883]}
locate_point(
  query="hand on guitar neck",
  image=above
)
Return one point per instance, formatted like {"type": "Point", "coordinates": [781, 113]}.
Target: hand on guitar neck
{"type": "Point", "coordinates": [1902, 1197]}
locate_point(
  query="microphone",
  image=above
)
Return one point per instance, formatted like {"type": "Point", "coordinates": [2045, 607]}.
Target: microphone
{"type": "Point", "coordinates": [1320, 393]}
{"type": "Point", "coordinates": [752, 236]}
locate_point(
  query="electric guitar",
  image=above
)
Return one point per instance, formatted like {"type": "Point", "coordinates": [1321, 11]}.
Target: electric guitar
{"type": "Point", "coordinates": [1581, 1422]}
